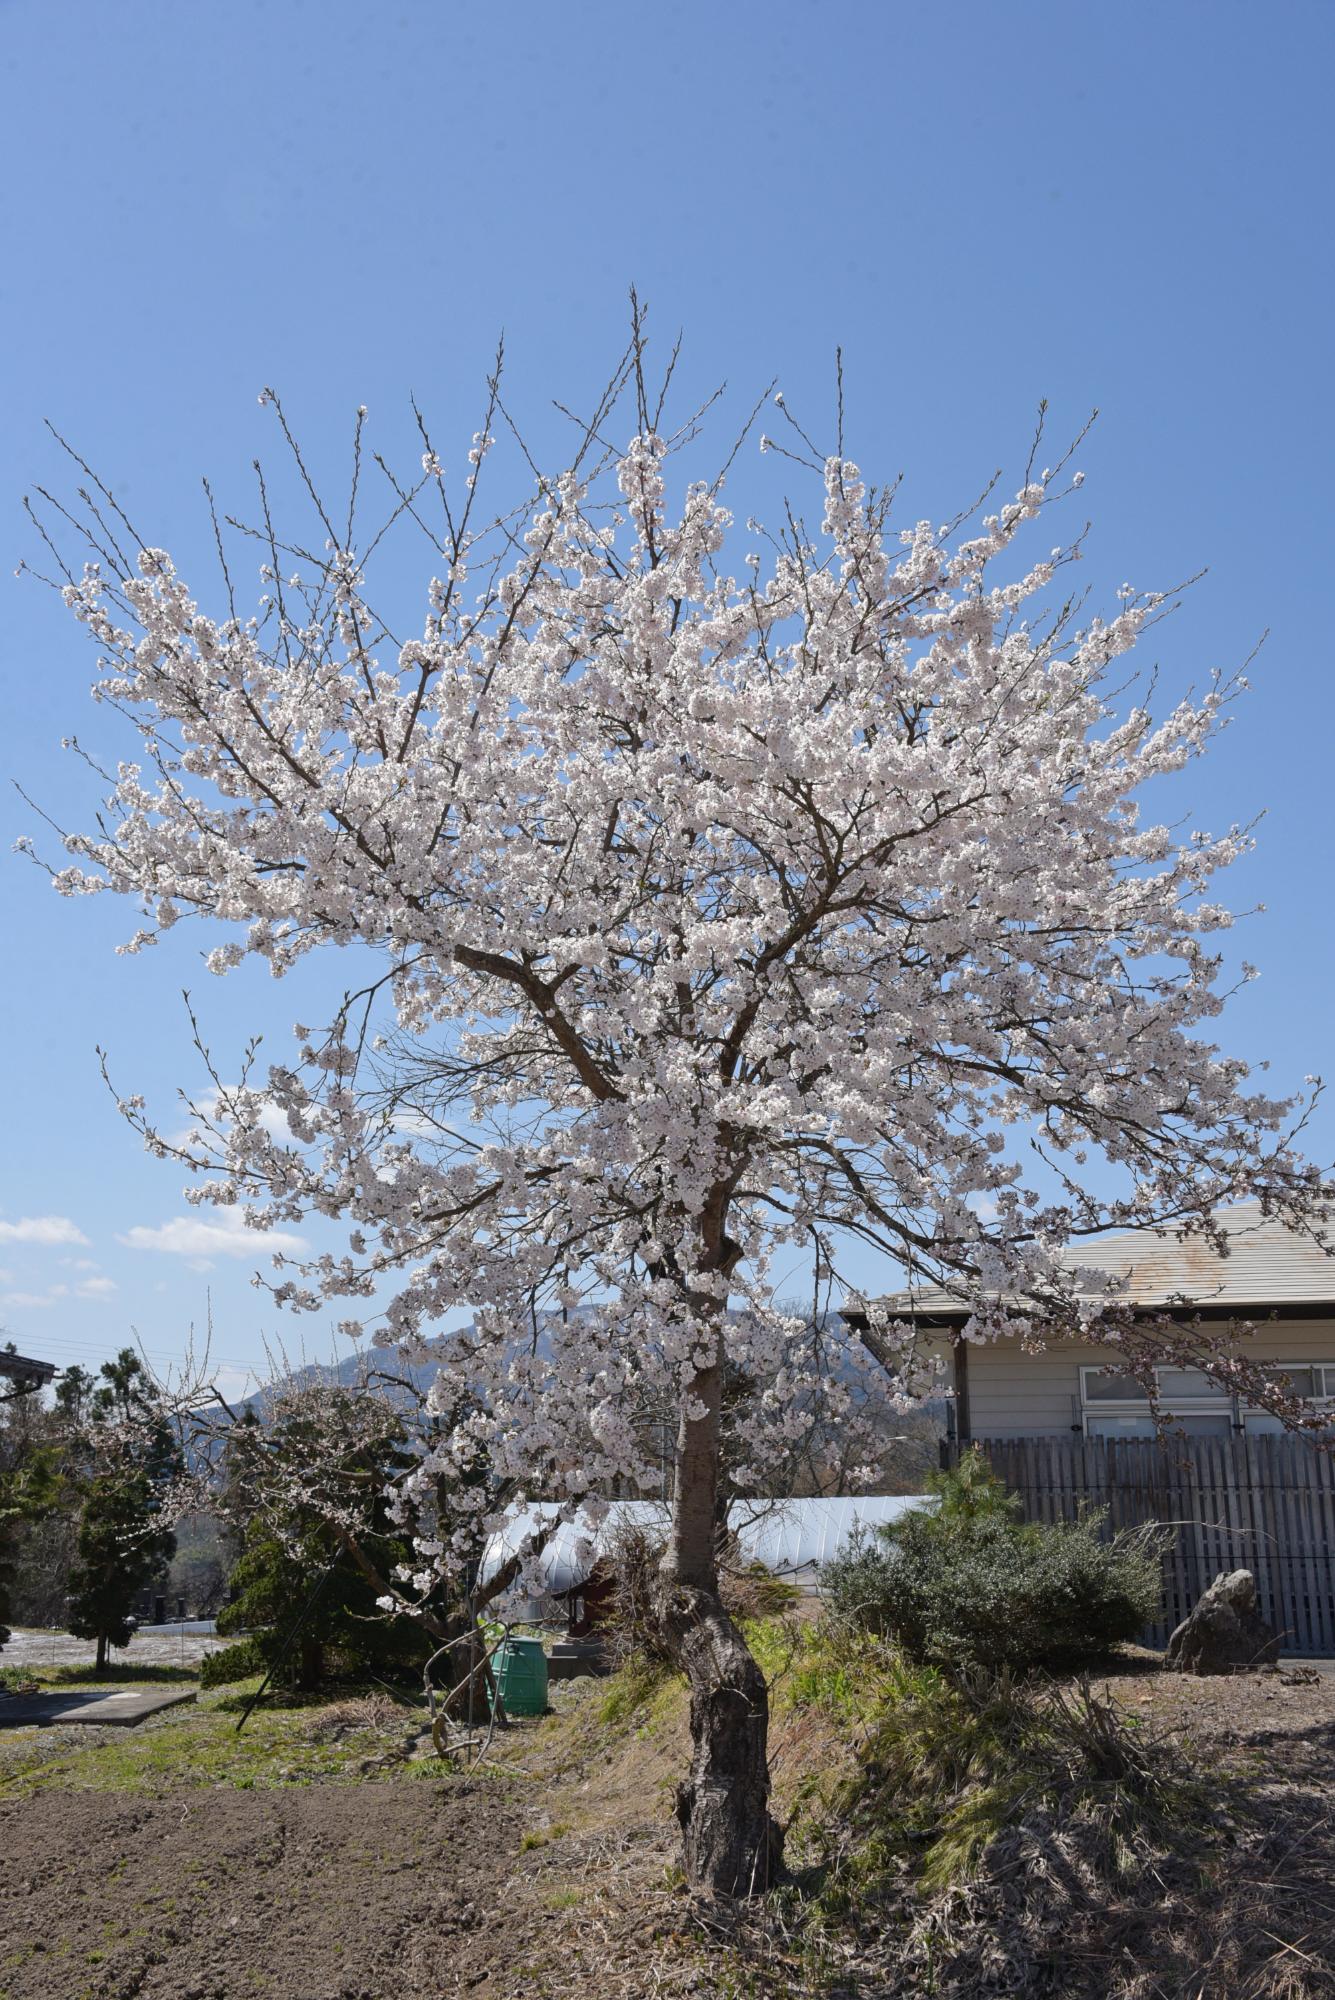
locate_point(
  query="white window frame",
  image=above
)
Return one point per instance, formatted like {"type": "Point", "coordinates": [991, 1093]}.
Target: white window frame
{"type": "Point", "coordinates": [1321, 1405]}
{"type": "Point", "coordinates": [1232, 1407]}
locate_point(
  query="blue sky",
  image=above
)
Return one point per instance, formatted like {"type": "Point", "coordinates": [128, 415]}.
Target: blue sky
{"type": "Point", "coordinates": [1123, 206]}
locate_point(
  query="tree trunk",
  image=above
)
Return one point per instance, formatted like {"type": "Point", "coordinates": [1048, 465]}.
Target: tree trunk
{"type": "Point", "coordinates": [732, 1846]}
{"type": "Point", "coordinates": [310, 1668]}
{"type": "Point", "coordinates": [101, 1665]}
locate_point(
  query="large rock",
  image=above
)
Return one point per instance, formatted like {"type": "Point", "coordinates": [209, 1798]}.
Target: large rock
{"type": "Point", "coordinates": [1225, 1634]}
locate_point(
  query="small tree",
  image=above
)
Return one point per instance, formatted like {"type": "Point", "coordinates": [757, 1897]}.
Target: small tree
{"type": "Point", "coordinates": [280, 1581]}
{"type": "Point", "coordinates": [307, 1484]}
{"type": "Point", "coordinates": [369, 1491]}
{"type": "Point", "coordinates": [29, 1483]}
{"type": "Point", "coordinates": [39, 1505]}
{"type": "Point", "coordinates": [725, 904]}
{"type": "Point", "coordinates": [125, 1460]}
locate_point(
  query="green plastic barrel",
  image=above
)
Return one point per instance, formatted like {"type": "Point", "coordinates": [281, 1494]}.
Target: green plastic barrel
{"type": "Point", "coordinates": [521, 1677]}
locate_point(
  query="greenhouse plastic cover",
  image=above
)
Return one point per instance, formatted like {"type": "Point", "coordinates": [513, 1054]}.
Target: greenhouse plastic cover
{"type": "Point", "coordinates": [792, 1538]}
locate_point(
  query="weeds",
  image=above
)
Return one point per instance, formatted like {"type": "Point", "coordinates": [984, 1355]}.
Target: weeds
{"type": "Point", "coordinates": [635, 1686]}
{"type": "Point", "coordinates": [360, 1715]}
{"type": "Point", "coordinates": [949, 1765]}
{"type": "Point", "coordinates": [1002, 1834]}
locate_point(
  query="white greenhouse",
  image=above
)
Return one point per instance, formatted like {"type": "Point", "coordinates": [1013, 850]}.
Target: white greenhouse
{"type": "Point", "coordinates": [792, 1538]}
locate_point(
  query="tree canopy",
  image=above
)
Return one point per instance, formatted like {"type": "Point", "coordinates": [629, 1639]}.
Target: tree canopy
{"type": "Point", "coordinates": [737, 893]}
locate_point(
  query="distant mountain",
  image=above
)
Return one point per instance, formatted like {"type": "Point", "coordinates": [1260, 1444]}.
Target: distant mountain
{"type": "Point", "coordinates": [360, 1367]}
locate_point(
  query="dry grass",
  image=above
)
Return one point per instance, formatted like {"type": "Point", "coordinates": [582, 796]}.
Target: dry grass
{"type": "Point", "coordinates": [1148, 1839]}
{"type": "Point", "coordinates": [358, 1715]}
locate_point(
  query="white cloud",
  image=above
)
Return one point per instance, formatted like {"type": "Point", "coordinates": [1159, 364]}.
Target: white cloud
{"type": "Point", "coordinates": [235, 1383]}
{"type": "Point", "coordinates": [272, 1120]}
{"type": "Point", "coordinates": [41, 1229]}
{"type": "Point", "coordinates": [223, 1234]}
{"type": "Point", "coordinates": [89, 1288]}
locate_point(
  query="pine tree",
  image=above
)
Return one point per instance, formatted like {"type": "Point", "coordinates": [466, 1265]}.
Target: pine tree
{"type": "Point", "coordinates": [275, 1581]}
{"type": "Point", "coordinates": [29, 1486]}
{"type": "Point", "coordinates": [129, 1460]}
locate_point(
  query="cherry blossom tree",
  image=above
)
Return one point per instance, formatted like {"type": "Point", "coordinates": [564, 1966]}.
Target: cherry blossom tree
{"type": "Point", "coordinates": [731, 895]}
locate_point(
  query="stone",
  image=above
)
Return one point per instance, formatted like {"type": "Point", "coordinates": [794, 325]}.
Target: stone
{"type": "Point", "coordinates": [1225, 1634]}
{"type": "Point", "coordinates": [569, 1659]}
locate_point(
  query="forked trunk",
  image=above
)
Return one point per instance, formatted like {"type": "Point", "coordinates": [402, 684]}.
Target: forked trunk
{"type": "Point", "coordinates": [732, 1846]}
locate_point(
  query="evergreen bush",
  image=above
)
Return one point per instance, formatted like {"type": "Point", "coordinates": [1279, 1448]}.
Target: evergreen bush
{"type": "Point", "coordinates": [967, 1585]}
{"type": "Point", "coordinates": [236, 1662]}
{"type": "Point", "coordinates": [342, 1632]}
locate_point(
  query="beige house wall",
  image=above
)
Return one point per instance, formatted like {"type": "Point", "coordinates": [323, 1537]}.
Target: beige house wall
{"type": "Point", "coordinates": [1015, 1394]}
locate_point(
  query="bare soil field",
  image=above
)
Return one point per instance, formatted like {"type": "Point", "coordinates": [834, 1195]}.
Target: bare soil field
{"type": "Point", "coordinates": [321, 1864]}
{"type": "Point", "coordinates": [309, 1893]}
{"type": "Point", "coordinates": [317, 1859]}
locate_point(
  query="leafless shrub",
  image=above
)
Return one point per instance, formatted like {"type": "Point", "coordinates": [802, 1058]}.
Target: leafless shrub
{"type": "Point", "coordinates": [364, 1714]}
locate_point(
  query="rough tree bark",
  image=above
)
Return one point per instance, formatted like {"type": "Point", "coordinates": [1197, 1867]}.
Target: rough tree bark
{"type": "Point", "coordinates": [732, 1845]}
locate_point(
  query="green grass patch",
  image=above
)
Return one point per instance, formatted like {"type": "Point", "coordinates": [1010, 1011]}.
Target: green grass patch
{"type": "Point", "coordinates": [148, 1672]}
{"type": "Point", "coordinates": [202, 1746]}
{"type": "Point", "coordinates": [818, 1666]}
{"type": "Point", "coordinates": [945, 1765]}
{"type": "Point", "coordinates": [640, 1684]}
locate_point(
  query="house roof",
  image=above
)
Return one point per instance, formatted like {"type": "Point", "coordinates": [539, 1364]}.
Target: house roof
{"type": "Point", "coordinates": [790, 1537]}
{"type": "Point", "coordinates": [28, 1374]}
{"type": "Point", "coordinates": [1267, 1265]}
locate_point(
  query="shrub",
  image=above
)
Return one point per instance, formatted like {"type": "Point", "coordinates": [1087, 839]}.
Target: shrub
{"type": "Point", "coordinates": [969, 1586]}
{"type": "Point", "coordinates": [232, 1663]}
{"type": "Point", "coordinates": [629, 1621]}
{"type": "Point", "coordinates": [341, 1631]}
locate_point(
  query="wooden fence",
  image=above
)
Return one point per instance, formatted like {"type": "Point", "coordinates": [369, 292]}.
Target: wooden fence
{"type": "Point", "coordinates": [1266, 1504]}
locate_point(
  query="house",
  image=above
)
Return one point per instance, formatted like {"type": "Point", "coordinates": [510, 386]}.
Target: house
{"type": "Point", "coordinates": [1276, 1283]}
{"type": "Point", "coordinates": [20, 1376]}
{"type": "Point", "coordinates": [1235, 1489]}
